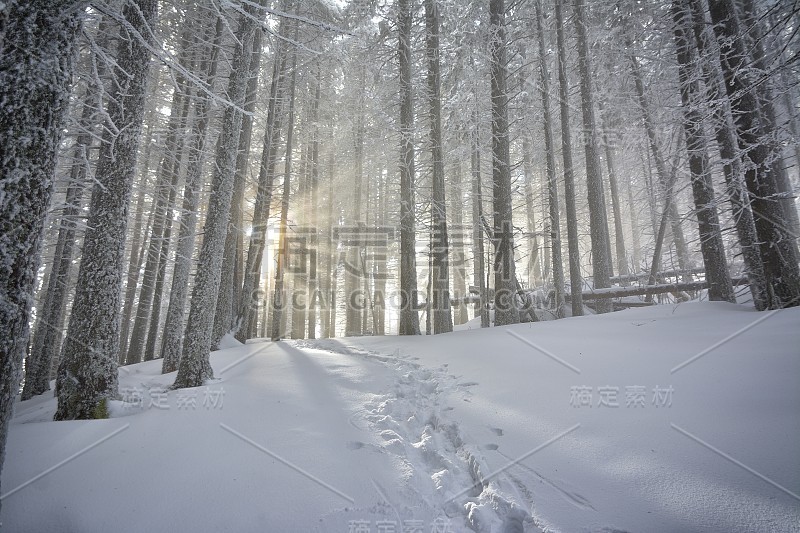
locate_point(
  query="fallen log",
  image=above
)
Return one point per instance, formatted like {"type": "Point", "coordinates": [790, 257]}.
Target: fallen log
{"type": "Point", "coordinates": [659, 288]}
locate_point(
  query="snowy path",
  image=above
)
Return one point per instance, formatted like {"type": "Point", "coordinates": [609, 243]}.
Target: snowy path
{"type": "Point", "coordinates": [475, 430]}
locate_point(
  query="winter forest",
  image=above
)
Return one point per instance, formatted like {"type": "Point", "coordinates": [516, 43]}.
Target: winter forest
{"type": "Point", "coordinates": [438, 257]}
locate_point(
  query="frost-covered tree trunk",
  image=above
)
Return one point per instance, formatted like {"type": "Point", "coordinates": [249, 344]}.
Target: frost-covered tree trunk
{"type": "Point", "coordinates": [87, 373]}
{"type": "Point", "coordinates": [576, 292]}
{"type": "Point", "coordinates": [616, 207]}
{"type": "Point", "coordinates": [166, 185]}
{"type": "Point", "coordinates": [172, 343]}
{"type": "Point", "coordinates": [460, 314]}
{"type": "Point", "coordinates": [781, 270]}
{"type": "Point", "coordinates": [37, 45]}
{"type": "Point", "coordinates": [279, 300]}
{"type": "Point", "coordinates": [478, 262]}
{"type": "Point", "coordinates": [442, 318]}
{"type": "Point", "coordinates": [229, 299]}
{"type": "Point", "coordinates": [194, 366]}
{"type": "Point", "coordinates": [47, 335]}
{"type": "Point", "coordinates": [594, 175]}
{"type": "Point", "coordinates": [766, 97]}
{"type": "Point", "coordinates": [711, 244]}
{"type": "Point", "coordinates": [725, 133]}
{"type": "Point", "coordinates": [264, 189]}
{"type": "Point", "coordinates": [138, 243]}
{"type": "Point", "coordinates": [409, 319]}
{"type": "Point", "coordinates": [312, 203]}
{"type": "Point", "coordinates": [46, 346]}
{"type": "Point", "coordinates": [550, 167]}
{"type": "Point", "coordinates": [505, 305]}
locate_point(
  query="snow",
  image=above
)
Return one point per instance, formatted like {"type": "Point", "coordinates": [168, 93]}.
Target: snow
{"type": "Point", "coordinates": [480, 429]}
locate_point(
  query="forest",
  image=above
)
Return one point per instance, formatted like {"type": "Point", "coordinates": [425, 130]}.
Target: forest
{"type": "Point", "coordinates": [179, 177]}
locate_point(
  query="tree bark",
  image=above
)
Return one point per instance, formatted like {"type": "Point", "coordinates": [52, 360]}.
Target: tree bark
{"type": "Point", "coordinates": [601, 270]}
{"type": "Point", "coordinates": [711, 244]}
{"type": "Point", "coordinates": [781, 270]}
{"type": "Point", "coordinates": [550, 167]}
{"type": "Point", "coordinates": [442, 318]}
{"type": "Point", "coordinates": [569, 177]}
{"type": "Point", "coordinates": [505, 305]}
{"type": "Point", "coordinates": [409, 319]}
{"type": "Point", "coordinates": [87, 373]}
{"type": "Point", "coordinates": [37, 45]}
{"type": "Point", "coordinates": [194, 367]}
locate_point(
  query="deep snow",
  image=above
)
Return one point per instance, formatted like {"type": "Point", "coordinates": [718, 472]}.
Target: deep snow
{"type": "Point", "coordinates": [502, 429]}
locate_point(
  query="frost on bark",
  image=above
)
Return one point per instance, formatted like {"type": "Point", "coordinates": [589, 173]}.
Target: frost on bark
{"type": "Point", "coordinates": [725, 133]}
{"type": "Point", "coordinates": [87, 373]}
{"type": "Point", "coordinates": [228, 300]}
{"type": "Point", "coordinates": [141, 345]}
{"type": "Point", "coordinates": [46, 345]}
{"type": "Point", "coordinates": [711, 245]}
{"type": "Point", "coordinates": [194, 367]}
{"type": "Point", "coordinates": [550, 164]}
{"type": "Point", "coordinates": [279, 299]}
{"type": "Point", "coordinates": [36, 65]}
{"type": "Point", "coordinates": [442, 319]}
{"type": "Point", "coordinates": [777, 248]}
{"type": "Point", "coordinates": [172, 340]}
{"type": "Point", "coordinates": [576, 293]}
{"type": "Point", "coordinates": [409, 319]}
{"type": "Point", "coordinates": [266, 178]}
{"type": "Point", "coordinates": [505, 305]}
{"type": "Point", "coordinates": [594, 177]}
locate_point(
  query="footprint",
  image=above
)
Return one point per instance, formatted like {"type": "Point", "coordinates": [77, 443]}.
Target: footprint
{"type": "Point", "coordinates": [496, 431]}
{"type": "Point", "coordinates": [354, 445]}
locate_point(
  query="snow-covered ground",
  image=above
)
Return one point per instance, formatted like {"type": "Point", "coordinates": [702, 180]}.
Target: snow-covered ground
{"type": "Point", "coordinates": [668, 418]}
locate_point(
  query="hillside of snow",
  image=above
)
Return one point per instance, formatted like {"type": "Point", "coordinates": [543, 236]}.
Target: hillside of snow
{"type": "Point", "coordinates": [667, 418]}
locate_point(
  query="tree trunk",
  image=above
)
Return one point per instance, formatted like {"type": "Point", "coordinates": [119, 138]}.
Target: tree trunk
{"type": "Point", "coordinates": [725, 132]}
{"type": "Point", "coordinates": [776, 245]}
{"type": "Point", "coordinates": [266, 180]}
{"type": "Point", "coordinates": [711, 244]}
{"type": "Point", "coordinates": [87, 374]}
{"type": "Point", "coordinates": [194, 367]}
{"type": "Point", "coordinates": [442, 318]}
{"type": "Point", "coordinates": [619, 236]}
{"type": "Point", "coordinates": [172, 343]}
{"type": "Point", "coordinates": [409, 319]}
{"type": "Point", "coordinates": [478, 265]}
{"type": "Point", "coordinates": [569, 177]}
{"type": "Point", "coordinates": [552, 184]}
{"type": "Point", "coordinates": [279, 298]}
{"type": "Point", "coordinates": [594, 177]}
{"type": "Point", "coordinates": [505, 305]}
{"type": "Point", "coordinates": [37, 45]}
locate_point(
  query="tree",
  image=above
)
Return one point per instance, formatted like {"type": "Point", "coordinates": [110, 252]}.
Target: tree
{"type": "Point", "coordinates": [37, 44]}
{"type": "Point", "coordinates": [777, 248]}
{"type": "Point", "coordinates": [266, 180]}
{"type": "Point", "coordinates": [409, 319]}
{"type": "Point", "coordinates": [576, 289]}
{"type": "Point", "coordinates": [442, 319]}
{"type": "Point", "coordinates": [46, 343]}
{"type": "Point", "coordinates": [194, 367]}
{"type": "Point", "coordinates": [87, 373]}
{"type": "Point", "coordinates": [550, 167]}
{"type": "Point", "coordinates": [594, 177]}
{"type": "Point", "coordinates": [505, 305]}
{"type": "Point", "coordinates": [172, 342]}
{"type": "Point", "coordinates": [711, 245]}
